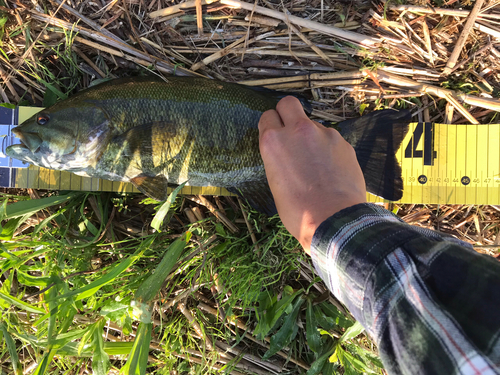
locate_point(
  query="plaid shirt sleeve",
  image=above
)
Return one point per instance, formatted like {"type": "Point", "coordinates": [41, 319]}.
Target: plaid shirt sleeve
{"type": "Point", "coordinates": [429, 301]}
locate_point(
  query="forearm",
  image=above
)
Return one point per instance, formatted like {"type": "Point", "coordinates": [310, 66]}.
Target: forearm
{"type": "Point", "coordinates": [413, 290]}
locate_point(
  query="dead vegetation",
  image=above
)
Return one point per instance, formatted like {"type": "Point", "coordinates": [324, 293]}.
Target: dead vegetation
{"type": "Point", "coordinates": [440, 60]}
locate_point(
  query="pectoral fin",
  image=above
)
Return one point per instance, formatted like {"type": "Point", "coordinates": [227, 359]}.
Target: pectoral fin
{"type": "Point", "coordinates": [153, 187]}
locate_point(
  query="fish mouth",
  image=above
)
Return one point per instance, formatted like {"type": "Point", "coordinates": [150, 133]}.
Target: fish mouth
{"type": "Point", "coordinates": [27, 144]}
{"type": "Point", "coordinates": [19, 151]}
{"type": "Point", "coordinates": [31, 141]}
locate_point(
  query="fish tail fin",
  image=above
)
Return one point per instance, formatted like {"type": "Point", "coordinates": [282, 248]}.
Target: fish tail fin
{"type": "Point", "coordinates": [376, 138]}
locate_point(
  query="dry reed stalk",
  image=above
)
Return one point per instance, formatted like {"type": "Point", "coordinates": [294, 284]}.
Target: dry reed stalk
{"type": "Point", "coordinates": [14, 71]}
{"type": "Point", "coordinates": [460, 108]}
{"type": "Point", "coordinates": [167, 51]}
{"type": "Point", "coordinates": [487, 30]}
{"type": "Point", "coordinates": [326, 116]}
{"type": "Point", "coordinates": [225, 51]}
{"type": "Point", "coordinates": [363, 40]}
{"type": "Point", "coordinates": [393, 79]}
{"type": "Point", "coordinates": [452, 61]}
{"type": "Point", "coordinates": [178, 8]}
{"type": "Point", "coordinates": [199, 16]}
{"type": "Point", "coordinates": [310, 44]}
{"type": "Point", "coordinates": [419, 39]}
{"type": "Point", "coordinates": [217, 55]}
{"type": "Point", "coordinates": [265, 21]}
{"type": "Point", "coordinates": [112, 19]}
{"type": "Point", "coordinates": [87, 21]}
{"type": "Point", "coordinates": [204, 363]}
{"type": "Point", "coordinates": [11, 88]}
{"type": "Point", "coordinates": [214, 210]}
{"type": "Point", "coordinates": [261, 51]}
{"type": "Point", "coordinates": [312, 84]}
{"type": "Point", "coordinates": [427, 38]}
{"type": "Point", "coordinates": [26, 88]}
{"type": "Point", "coordinates": [190, 215]}
{"type": "Point", "coordinates": [192, 321]}
{"type": "Point", "coordinates": [249, 357]}
{"type": "Point", "coordinates": [485, 48]}
{"type": "Point", "coordinates": [101, 38]}
{"type": "Point", "coordinates": [448, 119]}
{"type": "Point", "coordinates": [249, 227]}
{"type": "Point", "coordinates": [238, 323]}
{"type": "Point", "coordinates": [114, 52]}
{"type": "Point", "coordinates": [233, 321]}
{"type": "Point", "coordinates": [4, 96]}
{"type": "Point", "coordinates": [440, 11]}
{"type": "Point", "coordinates": [26, 34]}
{"type": "Point", "coordinates": [353, 74]}
{"type": "Point", "coordinates": [88, 61]}
{"type": "Point", "coordinates": [198, 213]}
{"type": "Point", "coordinates": [398, 96]}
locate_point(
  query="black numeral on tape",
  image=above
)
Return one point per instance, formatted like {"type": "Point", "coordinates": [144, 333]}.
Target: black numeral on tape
{"type": "Point", "coordinates": [428, 153]}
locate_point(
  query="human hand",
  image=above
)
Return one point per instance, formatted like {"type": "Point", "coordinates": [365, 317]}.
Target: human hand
{"type": "Point", "coordinates": [312, 171]}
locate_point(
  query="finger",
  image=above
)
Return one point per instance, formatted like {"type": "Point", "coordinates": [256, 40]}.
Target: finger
{"type": "Point", "coordinates": [270, 120]}
{"type": "Point", "coordinates": [291, 112]}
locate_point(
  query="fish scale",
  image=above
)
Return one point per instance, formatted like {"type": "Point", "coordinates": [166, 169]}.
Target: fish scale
{"type": "Point", "coordinates": [154, 133]}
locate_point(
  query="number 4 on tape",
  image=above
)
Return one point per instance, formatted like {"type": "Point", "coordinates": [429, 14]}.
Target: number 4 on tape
{"type": "Point", "coordinates": [428, 153]}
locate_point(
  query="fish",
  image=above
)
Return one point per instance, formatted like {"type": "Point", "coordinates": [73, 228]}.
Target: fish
{"type": "Point", "coordinates": [157, 133]}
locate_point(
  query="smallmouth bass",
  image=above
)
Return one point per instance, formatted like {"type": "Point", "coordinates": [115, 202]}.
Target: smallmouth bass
{"type": "Point", "coordinates": [154, 133]}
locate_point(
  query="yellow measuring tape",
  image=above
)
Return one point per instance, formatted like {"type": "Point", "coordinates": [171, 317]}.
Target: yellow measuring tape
{"type": "Point", "coordinates": [451, 164]}
{"type": "Point", "coordinates": [446, 164]}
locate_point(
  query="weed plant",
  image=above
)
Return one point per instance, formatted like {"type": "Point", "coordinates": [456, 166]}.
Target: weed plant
{"type": "Point", "coordinates": [88, 283]}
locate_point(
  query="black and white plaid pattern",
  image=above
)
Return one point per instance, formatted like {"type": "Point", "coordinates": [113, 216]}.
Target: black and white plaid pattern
{"type": "Point", "coordinates": [429, 301]}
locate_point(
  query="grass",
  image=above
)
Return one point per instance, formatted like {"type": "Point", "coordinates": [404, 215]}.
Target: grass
{"type": "Point", "coordinates": [110, 283]}
{"type": "Point", "coordinates": [78, 293]}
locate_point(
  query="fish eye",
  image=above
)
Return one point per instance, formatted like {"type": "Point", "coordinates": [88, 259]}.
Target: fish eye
{"type": "Point", "coordinates": [42, 119]}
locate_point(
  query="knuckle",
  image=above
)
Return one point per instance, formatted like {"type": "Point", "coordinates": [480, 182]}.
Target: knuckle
{"type": "Point", "coordinates": [304, 128]}
{"type": "Point", "coordinates": [266, 118]}
{"type": "Point", "coordinates": [287, 102]}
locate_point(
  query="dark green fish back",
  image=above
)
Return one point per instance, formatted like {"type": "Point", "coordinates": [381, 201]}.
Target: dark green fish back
{"type": "Point", "coordinates": [142, 100]}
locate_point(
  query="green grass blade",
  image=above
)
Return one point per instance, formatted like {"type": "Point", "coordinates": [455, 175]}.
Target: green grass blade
{"type": "Point", "coordinates": [138, 359]}
{"type": "Point", "coordinates": [352, 332]}
{"type": "Point", "coordinates": [22, 305]}
{"type": "Point", "coordinates": [100, 359]}
{"type": "Point", "coordinates": [93, 287]}
{"type": "Point", "coordinates": [150, 287]}
{"type": "Point", "coordinates": [44, 364]}
{"type": "Point", "coordinates": [274, 313]}
{"type": "Point", "coordinates": [318, 364]}
{"type": "Point", "coordinates": [31, 206]}
{"type": "Point", "coordinates": [332, 312]}
{"type": "Point", "coordinates": [162, 212]}
{"type": "Point", "coordinates": [29, 280]}
{"type": "Point", "coordinates": [312, 334]}
{"type": "Point", "coordinates": [111, 348]}
{"type": "Point", "coordinates": [287, 331]}
{"type": "Point", "coordinates": [11, 347]}
{"type": "Point", "coordinates": [54, 90]}
{"type": "Point", "coordinates": [8, 229]}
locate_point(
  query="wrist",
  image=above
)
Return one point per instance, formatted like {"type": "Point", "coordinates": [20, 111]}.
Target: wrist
{"type": "Point", "coordinates": [312, 222]}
